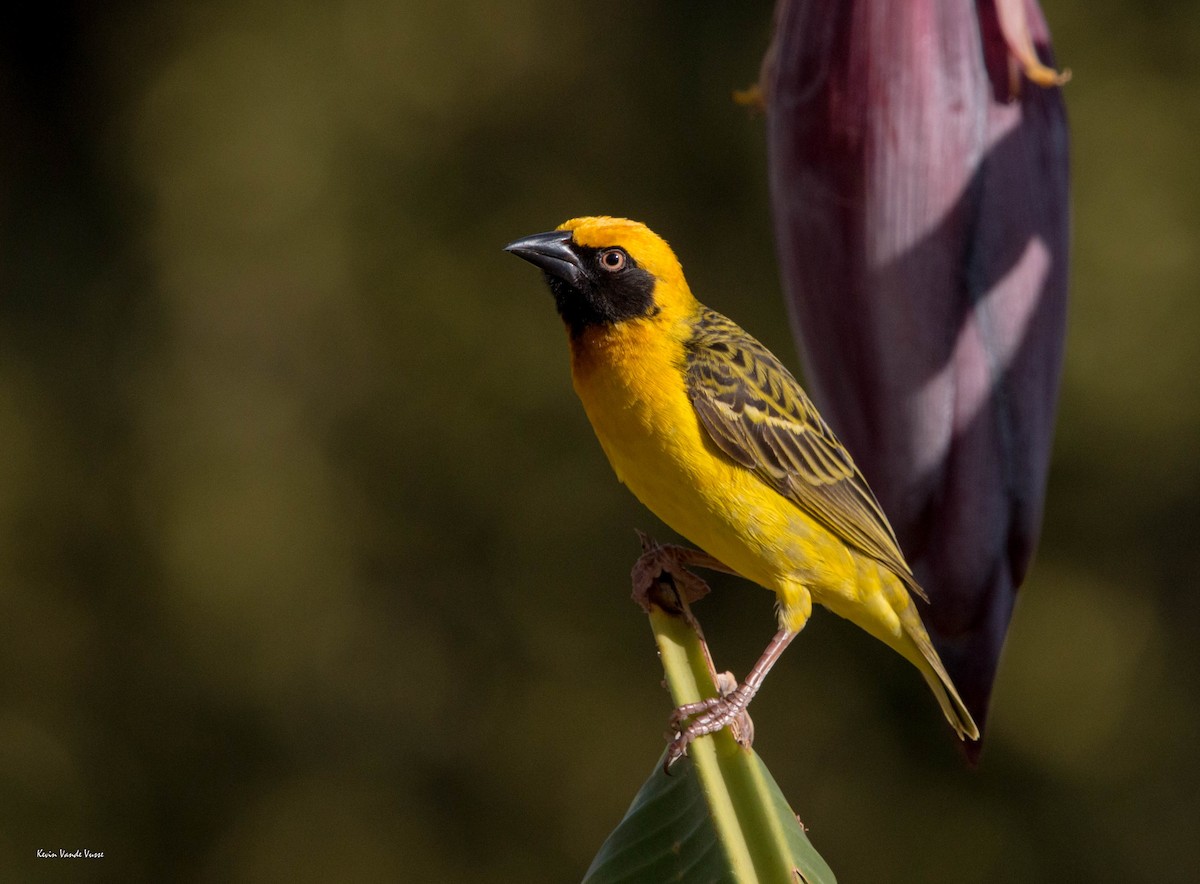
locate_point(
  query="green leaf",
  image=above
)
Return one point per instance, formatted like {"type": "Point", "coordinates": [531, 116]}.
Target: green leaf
{"type": "Point", "coordinates": [719, 816]}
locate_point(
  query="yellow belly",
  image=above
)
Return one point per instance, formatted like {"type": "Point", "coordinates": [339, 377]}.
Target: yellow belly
{"type": "Point", "coordinates": [639, 408]}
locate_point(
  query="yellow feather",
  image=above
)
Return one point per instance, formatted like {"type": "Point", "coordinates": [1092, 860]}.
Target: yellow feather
{"type": "Point", "coordinates": [797, 520]}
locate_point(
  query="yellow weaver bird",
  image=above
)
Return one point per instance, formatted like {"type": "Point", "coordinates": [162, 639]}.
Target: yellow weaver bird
{"type": "Point", "coordinates": [717, 438]}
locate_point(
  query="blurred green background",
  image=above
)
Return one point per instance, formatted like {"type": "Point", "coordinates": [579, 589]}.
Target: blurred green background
{"type": "Point", "coordinates": [310, 567]}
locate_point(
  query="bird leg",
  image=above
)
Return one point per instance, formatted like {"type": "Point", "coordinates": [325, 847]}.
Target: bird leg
{"type": "Point", "coordinates": [711, 715]}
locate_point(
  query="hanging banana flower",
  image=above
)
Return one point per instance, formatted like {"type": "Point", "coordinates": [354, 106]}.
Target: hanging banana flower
{"type": "Point", "coordinates": [919, 176]}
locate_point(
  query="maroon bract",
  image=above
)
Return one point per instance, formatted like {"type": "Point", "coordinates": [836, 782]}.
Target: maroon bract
{"type": "Point", "coordinates": [919, 173]}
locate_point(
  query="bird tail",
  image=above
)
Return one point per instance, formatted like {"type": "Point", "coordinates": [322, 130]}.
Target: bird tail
{"type": "Point", "coordinates": [883, 598]}
{"type": "Point", "coordinates": [938, 679]}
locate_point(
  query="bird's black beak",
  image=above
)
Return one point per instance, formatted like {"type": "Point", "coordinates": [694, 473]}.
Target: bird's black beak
{"type": "Point", "coordinates": [553, 253]}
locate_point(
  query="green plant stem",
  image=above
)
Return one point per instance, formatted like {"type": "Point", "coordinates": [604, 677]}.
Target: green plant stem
{"type": "Point", "coordinates": [732, 780]}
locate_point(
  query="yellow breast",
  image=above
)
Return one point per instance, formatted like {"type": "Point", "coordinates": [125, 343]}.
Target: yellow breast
{"type": "Point", "coordinates": [631, 380]}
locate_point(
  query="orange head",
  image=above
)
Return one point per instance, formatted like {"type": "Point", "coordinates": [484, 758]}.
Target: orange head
{"type": "Point", "coordinates": [604, 271]}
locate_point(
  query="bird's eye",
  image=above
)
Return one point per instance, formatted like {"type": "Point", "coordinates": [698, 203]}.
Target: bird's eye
{"type": "Point", "coordinates": [613, 260]}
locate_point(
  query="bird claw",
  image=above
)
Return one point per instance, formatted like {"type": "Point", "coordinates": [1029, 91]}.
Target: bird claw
{"type": "Point", "coordinates": [669, 561]}
{"type": "Point", "coordinates": [709, 716]}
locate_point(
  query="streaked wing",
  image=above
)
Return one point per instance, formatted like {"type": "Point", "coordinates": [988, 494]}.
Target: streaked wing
{"type": "Point", "coordinates": [756, 413]}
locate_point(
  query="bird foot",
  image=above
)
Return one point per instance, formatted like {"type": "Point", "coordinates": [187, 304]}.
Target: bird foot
{"type": "Point", "coordinates": [694, 720]}
{"type": "Point", "coordinates": [669, 561]}
{"type": "Point", "coordinates": [660, 563]}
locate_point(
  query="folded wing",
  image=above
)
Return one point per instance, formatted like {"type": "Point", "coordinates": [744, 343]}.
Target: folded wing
{"type": "Point", "coordinates": [757, 413]}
